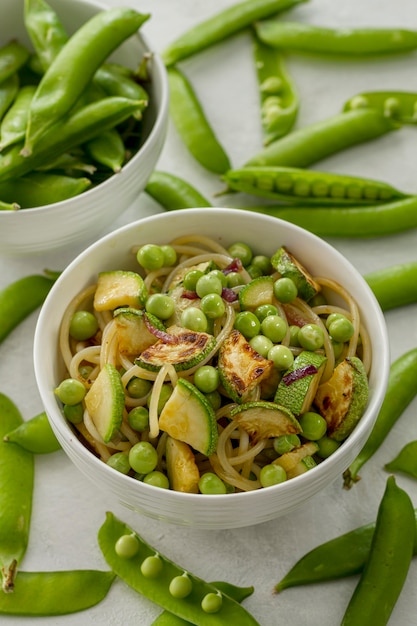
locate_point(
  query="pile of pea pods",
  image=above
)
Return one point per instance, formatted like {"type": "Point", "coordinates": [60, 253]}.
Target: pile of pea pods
{"type": "Point", "coordinates": [327, 204]}
{"type": "Point", "coordinates": [69, 119]}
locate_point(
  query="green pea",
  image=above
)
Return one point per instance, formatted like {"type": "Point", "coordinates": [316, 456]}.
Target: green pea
{"type": "Point", "coordinates": [120, 462]}
{"type": "Point", "coordinates": [74, 413]}
{"type": "Point", "coordinates": [285, 290]}
{"type": "Point", "coordinates": [150, 256]}
{"type": "Point", "coordinates": [313, 425]}
{"type": "Point", "coordinates": [311, 337]}
{"type": "Point", "coordinates": [170, 255]}
{"type": "Point", "coordinates": [138, 419]}
{"type": "Point", "coordinates": [208, 284]}
{"type": "Point", "coordinates": [83, 325]}
{"type": "Point", "coordinates": [247, 323]}
{"type": "Point", "coordinates": [195, 319]}
{"type": "Point", "coordinates": [161, 305]}
{"type": "Point", "coordinates": [263, 310]}
{"type": "Point", "coordinates": [261, 344]}
{"type": "Point", "coordinates": [206, 378]}
{"type": "Point", "coordinates": [210, 484]}
{"type": "Point", "coordinates": [341, 330]}
{"type": "Point", "coordinates": [242, 251]}
{"type": "Point", "coordinates": [327, 446]}
{"type": "Point", "coordinates": [156, 479]}
{"type": "Point", "coordinates": [143, 457]}
{"type": "Point", "coordinates": [263, 263]}
{"type": "Point", "coordinates": [215, 399]}
{"type": "Point", "coordinates": [138, 387]}
{"type": "Point", "coordinates": [213, 306]}
{"type": "Point", "coordinates": [191, 278]}
{"type": "Point", "coordinates": [152, 566]}
{"type": "Point", "coordinates": [180, 586]}
{"type": "Point", "coordinates": [234, 279]}
{"type": "Point", "coordinates": [127, 546]}
{"type": "Point", "coordinates": [212, 603]}
{"type": "Point", "coordinates": [272, 474]}
{"type": "Point", "coordinates": [281, 356]}
{"type": "Point", "coordinates": [70, 391]}
{"type": "Point", "coordinates": [274, 327]}
{"type": "Point", "coordinates": [294, 335]}
{"type": "Point", "coordinates": [285, 443]}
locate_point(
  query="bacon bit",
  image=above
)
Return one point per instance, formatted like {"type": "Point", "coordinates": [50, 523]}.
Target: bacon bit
{"type": "Point", "coordinates": [160, 334]}
{"type": "Point", "coordinates": [234, 266]}
{"type": "Point", "coordinates": [189, 295]}
{"type": "Point", "coordinates": [229, 295]}
{"type": "Point", "coordinates": [298, 374]}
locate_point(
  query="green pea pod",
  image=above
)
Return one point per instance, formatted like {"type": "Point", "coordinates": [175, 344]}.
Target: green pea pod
{"type": "Point", "coordinates": [356, 42]}
{"type": "Point", "coordinates": [39, 188]}
{"type": "Point", "coordinates": [156, 588]}
{"type": "Point", "coordinates": [237, 593]}
{"type": "Point", "coordinates": [8, 92]}
{"type": "Point", "coordinates": [380, 220]}
{"type": "Point", "coordinates": [340, 557]}
{"type": "Point", "coordinates": [16, 488]}
{"type": "Point", "coordinates": [34, 435]}
{"type": "Point", "coordinates": [398, 105]}
{"type": "Point", "coordinates": [20, 298]}
{"type": "Point", "coordinates": [193, 126]}
{"type": "Point", "coordinates": [79, 127]}
{"type": "Point", "coordinates": [278, 95]}
{"type": "Point", "coordinates": [310, 144]}
{"type": "Point", "coordinates": [301, 186]}
{"type": "Point", "coordinates": [406, 461]}
{"type": "Point", "coordinates": [45, 29]}
{"type": "Point", "coordinates": [75, 65]}
{"type": "Point", "coordinates": [68, 163]}
{"type": "Point", "coordinates": [107, 149]}
{"type": "Point", "coordinates": [173, 193]}
{"type": "Point", "coordinates": [63, 592]}
{"type": "Point", "coordinates": [394, 286]}
{"type": "Point", "coordinates": [401, 390]}
{"type": "Point", "coordinates": [386, 569]}
{"type": "Point", "coordinates": [13, 125]}
{"type": "Point", "coordinates": [12, 57]}
{"type": "Point", "coordinates": [223, 25]}
{"type": "Point", "coordinates": [116, 82]}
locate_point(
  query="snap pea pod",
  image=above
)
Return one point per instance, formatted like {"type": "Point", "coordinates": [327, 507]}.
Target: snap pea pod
{"type": "Point", "coordinates": [310, 144]}
{"type": "Point", "coordinates": [340, 557]}
{"type": "Point", "coordinates": [62, 592]}
{"type": "Point", "coordinates": [75, 65]}
{"type": "Point", "coordinates": [154, 582]}
{"type": "Point", "coordinates": [399, 105]}
{"type": "Point", "coordinates": [40, 188]}
{"type": "Point", "coordinates": [115, 81]}
{"type": "Point", "coordinates": [14, 122]}
{"type": "Point", "coordinates": [16, 489]}
{"type": "Point", "coordinates": [301, 186]}
{"type": "Point", "coordinates": [12, 57]}
{"type": "Point", "coordinates": [386, 568]}
{"type": "Point", "coordinates": [353, 221]}
{"type": "Point", "coordinates": [401, 390]}
{"type": "Point", "coordinates": [20, 298]}
{"type": "Point", "coordinates": [354, 42]}
{"type": "Point", "coordinates": [237, 593]}
{"type": "Point", "coordinates": [173, 193]}
{"type": "Point", "coordinates": [68, 163]}
{"type": "Point", "coordinates": [8, 92]}
{"type": "Point", "coordinates": [222, 25]}
{"type": "Point", "coordinates": [79, 127]}
{"type": "Point", "coordinates": [45, 30]}
{"type": "Point", "coordinates": [394, 286]}
{"type": "Point", "coordinates": [34, 435]}
{"type": "Point", "coordinates": [278, 96]}
{"type": "Point", "coordinates": [405, 461]}
{"type": "Point", "coordinates": [107, 149]}
{"type": "Point", "coordinates": [192, 124]}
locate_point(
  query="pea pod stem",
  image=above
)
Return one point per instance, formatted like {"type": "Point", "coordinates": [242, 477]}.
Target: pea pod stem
{"type": "Point", "coordinates": [173, 193]}
{"type": "Point", "coordinates": [75, 65]}
{"type": "Point", "coordinates": [20, 298]}
{"type": "Point", "coordinates": [394, 286]}
{"type": "Point", "coordinates": [401, 390]}
{"type": "Point", "coordinates": [221, 26]}
{"type": "Point", "coordinates": [193, 125]}
{"type": "Point", "coordinates": [353, 42]}
{"type": "Point", "coordinates": [355, 221]}
{"type": "Point", "coordinates": [39, 594]}
{"type": "Point", "coordinates": [386, 568]}
{"type": "Point", "coordinates": [300, 186]}
{"type": "Point", "coordinates": [310, 144]}
{"type": "Point", "coordinates": [340, 557]}
{"type": "Point", "coordinates": [156, 588]}
{"type": "Point", "coordinates": [16, 488]}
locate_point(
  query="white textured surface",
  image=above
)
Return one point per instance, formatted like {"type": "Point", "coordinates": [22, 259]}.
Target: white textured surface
{"type": "Point", "coordinates": [68, 510]}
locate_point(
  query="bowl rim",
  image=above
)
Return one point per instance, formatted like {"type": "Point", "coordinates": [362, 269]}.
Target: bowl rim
{"type": "Point", "coordinates": [65, 434]}
{"type": "Point", "coordinates": [158, 126]}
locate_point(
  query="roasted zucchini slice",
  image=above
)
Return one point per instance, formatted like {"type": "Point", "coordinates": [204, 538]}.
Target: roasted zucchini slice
{"type": "Point", "coordinates": [292, 461]}
{"type": "Point", "coordinates": [262, 420]}
{"type": "Point", "coordinates": [181, 348]}
{"type": "Point", "coordinates": [240, 367]}
{"type": "Point", "coordinates": [188, 416]}
{"type": "Point", "coordinates": [104, 402]}
{"type": "Point", "coordinates": [182, 469]}
{"type": "Point", "coordinates": [259, 291]}
{"type": "Point", "coordinates": [342, 399]}
{"type": "Point", "coordinates": [288, 266]}
{"type": "Point", "coordinates": [297, 388]}
{"type": "Point", "coordinates": [119, 288]}
{"type": "Point", "coordinates": [132, 333]}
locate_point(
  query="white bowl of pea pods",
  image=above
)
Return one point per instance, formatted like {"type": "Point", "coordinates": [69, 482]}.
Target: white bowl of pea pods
{"type": "Point", "coordinates": [102, 192]}
{"type": "Point", "coordinates": [264, 235]}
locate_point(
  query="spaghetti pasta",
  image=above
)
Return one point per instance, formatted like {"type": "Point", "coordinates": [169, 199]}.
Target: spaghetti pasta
{"type": "Point", "coordinates": [246, 379]}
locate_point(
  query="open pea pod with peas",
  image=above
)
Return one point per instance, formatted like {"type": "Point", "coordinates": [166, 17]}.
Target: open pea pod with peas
{"type": "Point", "coordinates": [162, 581]}
{"type": "Point", "coordinates": [398, 105]}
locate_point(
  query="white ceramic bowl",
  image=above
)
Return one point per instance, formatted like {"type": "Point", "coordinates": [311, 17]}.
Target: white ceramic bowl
{"type": "Point", "coordinates": [265, 234]}
{"type": "Point", "coordinates": [87, 215]}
